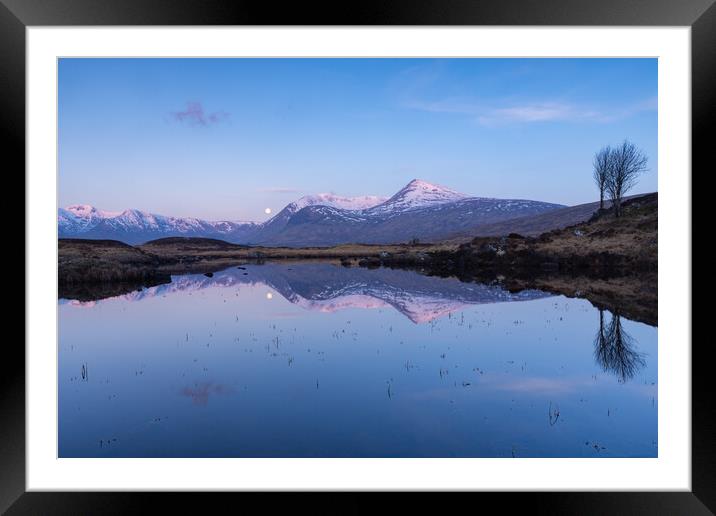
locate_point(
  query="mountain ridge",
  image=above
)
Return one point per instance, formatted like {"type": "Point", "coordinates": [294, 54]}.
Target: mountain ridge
{"type": "Point", "coordinates": [419, 211]}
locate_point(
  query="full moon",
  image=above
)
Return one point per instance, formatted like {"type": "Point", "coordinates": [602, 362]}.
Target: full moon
{"type": "Point", "coordinates": [267, 211]}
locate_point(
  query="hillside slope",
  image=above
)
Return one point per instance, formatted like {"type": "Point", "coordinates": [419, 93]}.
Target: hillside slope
{"type": "Point", "coordinates": [603, 243]}
{"type": "Point", "coordinates": [535, 225]}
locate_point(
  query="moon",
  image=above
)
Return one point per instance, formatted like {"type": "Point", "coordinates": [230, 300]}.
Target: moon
{"type": "Point", "coordinates": [267, 211]}
{"type": "Point", "coordinates": [269, 295]}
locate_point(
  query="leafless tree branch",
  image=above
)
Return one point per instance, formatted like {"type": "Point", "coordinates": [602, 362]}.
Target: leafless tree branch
{"type": "Point", "coordinates": [625, 164]}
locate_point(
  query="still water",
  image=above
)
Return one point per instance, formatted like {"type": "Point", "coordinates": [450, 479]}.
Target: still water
{"type": "Point", "coordinates": [318, 360]}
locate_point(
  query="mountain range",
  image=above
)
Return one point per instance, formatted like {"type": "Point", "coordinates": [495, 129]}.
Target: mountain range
{"type": "Point", "coordinates": [420, 210]}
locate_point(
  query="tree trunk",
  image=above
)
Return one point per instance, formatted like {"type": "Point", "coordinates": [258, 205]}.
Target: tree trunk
{"type": "Point", "coordinates": [601, 199]}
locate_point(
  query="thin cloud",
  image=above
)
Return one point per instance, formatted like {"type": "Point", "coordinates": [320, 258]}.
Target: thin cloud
{"type": "Point", "coordinates": [456, 106]}
{"type": "Point", "coordinates": [280, 190]}
{"type": "Point", "coordinates": [195, 115]}
{"type": "Point", "coordinates": [530, 112]}
{"type": "Point", "coordinates": [541, 112]}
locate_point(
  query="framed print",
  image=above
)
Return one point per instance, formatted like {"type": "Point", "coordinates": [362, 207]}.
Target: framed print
{"type": "Point", "coordinates": [407, 249]}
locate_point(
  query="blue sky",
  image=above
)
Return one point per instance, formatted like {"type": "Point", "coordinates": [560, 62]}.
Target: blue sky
{"type": "Point", "coordinates": [227, 138]}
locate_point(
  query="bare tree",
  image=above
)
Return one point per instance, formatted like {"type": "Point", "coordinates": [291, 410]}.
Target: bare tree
{"type": "Point", "coordinates": [601, 171]}
{"type": "Point", "coordinates": [626, 163]}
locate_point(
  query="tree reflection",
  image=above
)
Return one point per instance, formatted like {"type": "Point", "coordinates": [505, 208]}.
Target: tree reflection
{"type": "Point", "coordinates": [615, 350]}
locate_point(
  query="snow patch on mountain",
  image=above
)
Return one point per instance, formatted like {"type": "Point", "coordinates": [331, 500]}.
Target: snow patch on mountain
{"type": "Point", "coordinates": [87, 211]}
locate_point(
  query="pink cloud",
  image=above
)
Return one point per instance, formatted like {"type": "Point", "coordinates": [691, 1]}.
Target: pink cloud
{"type": "Point", "coordinates": [194, 114]}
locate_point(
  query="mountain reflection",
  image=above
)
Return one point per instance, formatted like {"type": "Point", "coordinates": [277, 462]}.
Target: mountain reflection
{"type": "Point", "coordinates": [615, 350]}
{"type": "Point", "coordinates": [328, 288]}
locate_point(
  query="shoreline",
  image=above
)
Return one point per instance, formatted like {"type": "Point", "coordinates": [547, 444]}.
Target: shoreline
{"type": "Point", "coordinates": [634, 296]}
{"type": "Point", "coordinates": [612, 262]}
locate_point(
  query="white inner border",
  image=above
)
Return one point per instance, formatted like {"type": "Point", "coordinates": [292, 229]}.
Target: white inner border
{"type": "Point", "coordinates": [671, 470]}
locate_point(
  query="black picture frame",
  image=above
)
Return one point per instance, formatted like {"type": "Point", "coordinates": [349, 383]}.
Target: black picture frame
{"type": "Point", "coordinates": [16, 15]}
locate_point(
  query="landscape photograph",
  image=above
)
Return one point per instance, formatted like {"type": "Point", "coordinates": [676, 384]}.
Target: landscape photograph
{"type": "Point", "coordinates": [357, 257]}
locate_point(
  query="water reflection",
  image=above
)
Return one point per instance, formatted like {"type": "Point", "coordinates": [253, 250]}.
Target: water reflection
{"type": "Point", "coordinates": [341, 362]}
{"type": "Point", "coordinates": [329, 288]}
{"type": "Point", "coordinates": [199, 392]}
{"type": "Point", "coordinates": [615, 350]}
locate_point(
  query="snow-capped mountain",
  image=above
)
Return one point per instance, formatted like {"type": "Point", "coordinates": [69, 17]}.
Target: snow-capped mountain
{"type": "Point", "coordinates": [417, 194]}
{"type": "Point", "coordinates": [82, 217]}
{"type": "Point", "coordinates": [84, 211]}
{"type": "Point", "coordinates": [420, 210]}
{"type": "Point", "coordinates": [135, 226]}
{"type": "Point", "coordinates": [278, 222]}
{"type": "Point", "coordinates": [336, 201]}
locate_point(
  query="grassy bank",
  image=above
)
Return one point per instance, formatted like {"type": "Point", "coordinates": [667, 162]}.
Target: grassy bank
{"type": "Point", "coordinates": [186, 255]}
{"type": "Point", "coordinates": [110, 261]}
{"type": "Point", "coordinates": [105, 261]}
